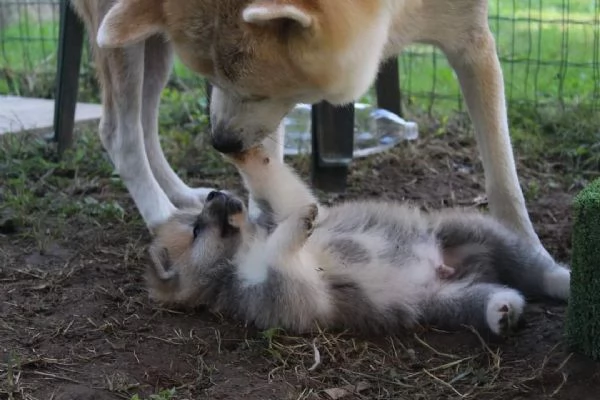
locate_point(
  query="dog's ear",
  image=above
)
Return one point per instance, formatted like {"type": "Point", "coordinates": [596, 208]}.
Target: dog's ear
{"type": "Point", "coordinates": [260, 12]}
{"type": "Point", "coordinates": [129, 22]}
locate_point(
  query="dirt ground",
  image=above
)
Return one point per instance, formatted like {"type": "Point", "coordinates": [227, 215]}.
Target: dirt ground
{"type": "Point", "coordinates": [75, 321]}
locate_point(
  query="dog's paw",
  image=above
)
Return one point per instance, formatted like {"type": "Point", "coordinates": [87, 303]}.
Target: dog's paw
{"type": "Point", "coordinates": [309, 217]}
{"type": "Point", "coordinates": [504, 309]}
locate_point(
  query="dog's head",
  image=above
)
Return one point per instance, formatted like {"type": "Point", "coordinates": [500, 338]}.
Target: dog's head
{"type": "Point", "coordinates": [262, 56]}
{"type": "Point", "coordinates": [192, 251]}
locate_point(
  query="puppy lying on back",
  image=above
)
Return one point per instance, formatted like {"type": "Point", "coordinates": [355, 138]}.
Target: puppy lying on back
{"type": "Point", "coordinates": [368, 266]}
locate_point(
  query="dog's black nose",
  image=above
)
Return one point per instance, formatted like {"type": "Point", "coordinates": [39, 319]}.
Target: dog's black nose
{"type": "Point", "coordinates": [213, 195]}
{"type": "Point", "coordinates": [225, 142]}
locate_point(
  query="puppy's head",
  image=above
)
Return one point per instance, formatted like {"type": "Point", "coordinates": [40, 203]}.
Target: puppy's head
{"type": "Point", "coordinates": [191, 252]}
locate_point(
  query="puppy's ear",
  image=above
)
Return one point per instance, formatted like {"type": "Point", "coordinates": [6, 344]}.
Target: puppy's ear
{"type": "Point", "coordinates": [129, 22]}
{"type": "Point", "coordinates": [261, 12]}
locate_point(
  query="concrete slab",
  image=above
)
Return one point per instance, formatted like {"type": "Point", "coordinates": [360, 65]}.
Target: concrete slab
{"type": "Point", "coordinates": [18, 114]}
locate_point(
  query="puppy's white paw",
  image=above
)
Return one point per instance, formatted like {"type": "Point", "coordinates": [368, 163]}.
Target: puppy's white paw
{"type": "Point", "coordinates": [504, 308]}
{"type": "Point", "coordinates": [309, 218]}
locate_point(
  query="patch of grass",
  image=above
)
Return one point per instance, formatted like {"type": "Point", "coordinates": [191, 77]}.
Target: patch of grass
{"type": "Point", "coordinates": [572, 136]}
{"type": "Point", "coordinates": [28, 55]}
{"type": "Point", "coordinates": [546, 51]}
{"type": "Point", "coordinates": [42, 194]}
{"type": "Point", "coordinates": [29, 43]}
{"type": "Point", "coordinates": [409, 367]}
{"type": "Point", "coordinates": [166, 394]}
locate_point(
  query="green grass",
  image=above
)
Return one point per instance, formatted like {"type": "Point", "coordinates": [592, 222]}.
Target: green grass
{"type": "Point", "coordinates": [531, 49]}
{"type": "Point", "coordinates": [40, 193]}
{"type": "Point", "coordinates": [28, 43]}
{"type": "Point", "coordinates": [162, 395]}
{"type": "Point", "coordinates": [28, 51]}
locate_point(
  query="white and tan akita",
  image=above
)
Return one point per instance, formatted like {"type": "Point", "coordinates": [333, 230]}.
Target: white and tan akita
{"type": "Point", "coordinates": [264, 56]}
{"type": "Point", "coordinates": [369, 266]}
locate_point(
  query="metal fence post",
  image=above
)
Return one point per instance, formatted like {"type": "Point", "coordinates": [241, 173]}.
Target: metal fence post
{"type": "Point", "coordinates": [387, 86]}
{"type": "Point", "coordinates": [333, 131]}
{"type": "Point", "coordinates": [69, 60]}
{"type": "Point", "coordinates": [332, 145]}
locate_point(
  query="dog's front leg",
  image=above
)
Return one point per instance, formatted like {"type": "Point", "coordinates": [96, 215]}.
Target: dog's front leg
{"type": "Point", "coordinates": [273, 147]}
{"type": "Point", "coordinates": [121, 71]}
{"type": "Point", "coordinates": [158, 56]}
{"type": "Point", "coordinates": [478, 69]}
{"type": "Point", "coordinates": [273, 185]}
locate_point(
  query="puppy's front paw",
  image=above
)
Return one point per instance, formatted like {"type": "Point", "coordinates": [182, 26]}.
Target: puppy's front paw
{"type": "Point", "coordinates": [309, 218]}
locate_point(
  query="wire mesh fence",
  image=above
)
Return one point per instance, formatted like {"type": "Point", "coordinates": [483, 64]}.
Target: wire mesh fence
{"type": "Point", "coordinates": [549, 49]}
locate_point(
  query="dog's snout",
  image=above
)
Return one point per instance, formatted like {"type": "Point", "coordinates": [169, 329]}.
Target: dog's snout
{"type": "Point", "coordinates": [225, 141]}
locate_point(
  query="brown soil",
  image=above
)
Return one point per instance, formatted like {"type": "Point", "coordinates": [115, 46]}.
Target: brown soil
{"type": "Point", "coordinates": [75, 322]}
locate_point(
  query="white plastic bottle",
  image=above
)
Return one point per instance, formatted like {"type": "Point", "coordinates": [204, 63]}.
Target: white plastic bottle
{"type": "Point", "coordinates": [375, 130]}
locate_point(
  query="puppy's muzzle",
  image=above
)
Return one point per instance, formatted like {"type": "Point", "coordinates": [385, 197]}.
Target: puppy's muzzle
{"type": "Point", "coordinates": [223, 204]}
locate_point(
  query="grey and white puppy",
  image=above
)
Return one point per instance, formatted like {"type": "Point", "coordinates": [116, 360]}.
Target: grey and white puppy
{"type": "Point", "coordinates": [368, 266]}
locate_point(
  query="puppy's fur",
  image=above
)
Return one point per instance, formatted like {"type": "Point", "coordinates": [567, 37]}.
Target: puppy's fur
{"type": "Point", "coordinates": [373, 267]}
{"type": "Point", "coordinates": [264, 56]}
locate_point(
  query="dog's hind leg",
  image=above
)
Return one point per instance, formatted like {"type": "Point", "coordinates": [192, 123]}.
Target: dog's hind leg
{"type": "Point", "coordinates": [479, 73]}
{"type": "Point", "coordinates": [158, 60]}
{"type": "Point", "coordinates": [121, 73]}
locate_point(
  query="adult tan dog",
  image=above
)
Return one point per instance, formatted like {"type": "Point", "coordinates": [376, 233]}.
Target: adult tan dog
{"type": "Point", "coordinates": [264, 56]}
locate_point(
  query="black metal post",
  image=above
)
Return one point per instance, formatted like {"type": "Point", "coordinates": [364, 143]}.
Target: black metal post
{"type": "Point", "coordinates": [69, 60]}
{"type": "Point", "coordinates": [387, 87]}
{"type": "Point", "coordinates": [332, 145]}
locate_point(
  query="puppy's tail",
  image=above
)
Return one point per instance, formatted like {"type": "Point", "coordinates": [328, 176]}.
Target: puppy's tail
{"type": "Point", "coordinates": [486, 247]}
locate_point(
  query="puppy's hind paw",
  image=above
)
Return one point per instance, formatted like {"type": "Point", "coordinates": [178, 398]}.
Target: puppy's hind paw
{"type": "Point", "coordinates": [504, 309]}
